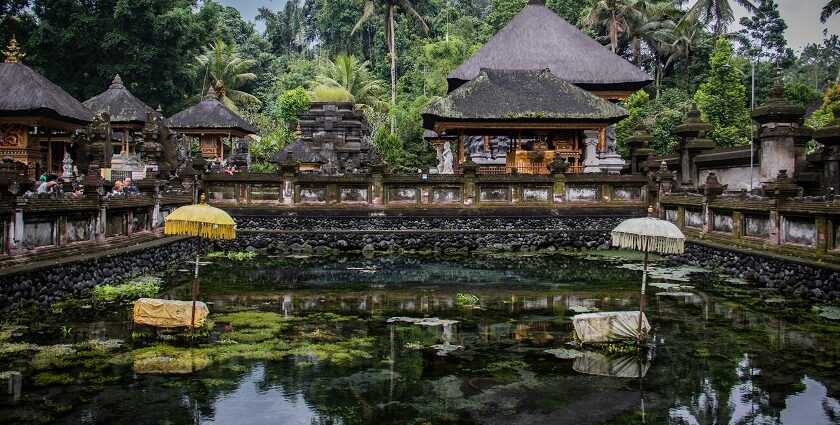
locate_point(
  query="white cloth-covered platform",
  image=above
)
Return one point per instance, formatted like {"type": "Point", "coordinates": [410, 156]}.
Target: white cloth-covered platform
{"type": "Point", "coordinates": [609, 326]}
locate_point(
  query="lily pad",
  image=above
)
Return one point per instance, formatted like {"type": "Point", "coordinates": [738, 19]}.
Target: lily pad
{"type": "Point", "coordinates": [828, 312]}
{"type": "Point", "coordinates": [425, 321]}
{"type": "Point", "coordinates": [565, 354]}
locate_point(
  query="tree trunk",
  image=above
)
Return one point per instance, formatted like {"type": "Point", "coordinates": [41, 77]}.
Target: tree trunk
{"type": "Point", "coordinates": [658, 76]}
{"type": "Point", "coordinates": [613, 31]}
{"type": "Point", "coordinates": [393, 52]}
{"type": "Point", "coordinates": [637, 52]}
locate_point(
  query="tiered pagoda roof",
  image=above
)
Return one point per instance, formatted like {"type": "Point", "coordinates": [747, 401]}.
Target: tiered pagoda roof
{"type": "Point", "coordinates": [538, 38]}
{"type": "Point", "coordinates": [121, 104]}
{"type": "Point", "coordinates": [211, 114]}
{"type": "Point", "coordinates": [26, 93]}
{"type": "Point", "coordinates": [498, 95]}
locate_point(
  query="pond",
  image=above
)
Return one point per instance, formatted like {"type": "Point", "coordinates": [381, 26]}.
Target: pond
{"type": "Point", "coordinates": [306, 340]}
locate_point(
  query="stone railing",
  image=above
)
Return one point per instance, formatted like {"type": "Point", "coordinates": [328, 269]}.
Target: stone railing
{"type": "Point", "coordinates": [46, 224]}
{"type": "Point", "coordinates": [424, 191]}
{"type": "Point", "coordinates": [804, 228]}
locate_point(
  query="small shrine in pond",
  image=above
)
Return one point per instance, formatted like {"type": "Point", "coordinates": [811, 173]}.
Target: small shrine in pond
{"type": "Point", "coordinates": [213, 123]}
{"type": "Point", "coordinates": [539, 89]}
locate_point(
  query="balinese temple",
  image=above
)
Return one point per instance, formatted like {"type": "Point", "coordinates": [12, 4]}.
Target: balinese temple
{"type": "Point", "coordinates": [213, 123]}
{"type": "Point", "coordinates": [299, 152]}
{"type": "Point", "coordinates": [36, 116]}
{"type": "Point", "coordinates": [128, 113]}
{"type": "Point", "coordinates": [539, 88]}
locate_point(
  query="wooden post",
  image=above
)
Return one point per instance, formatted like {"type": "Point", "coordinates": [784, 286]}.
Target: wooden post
{"type": "Point", "coordinates": [195, 287]}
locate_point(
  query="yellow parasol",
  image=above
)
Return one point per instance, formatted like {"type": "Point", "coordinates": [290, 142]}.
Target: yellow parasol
{"type": "Point", "coordinates": [648, 234]}
{"type": "Point", "coordinates": [202, 222]}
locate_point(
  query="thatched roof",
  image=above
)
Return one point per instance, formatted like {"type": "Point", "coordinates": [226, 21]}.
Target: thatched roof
{"type": "Point", "coordinates": [298, 151]}
{"type": "Point", "coordinates": [538, 38]}
{"type": "Point", "coordinates": [123, 106]}
{"type": "Point", "coordinates": [529, 95]}
{"type": "Point", "coordinates": [211, 114]}
{"type": "Point", "coordinates": [25, 92]}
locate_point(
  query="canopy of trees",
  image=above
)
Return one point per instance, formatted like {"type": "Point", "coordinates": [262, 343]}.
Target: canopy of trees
{"type": "Point", "coordinates": [391, 57]}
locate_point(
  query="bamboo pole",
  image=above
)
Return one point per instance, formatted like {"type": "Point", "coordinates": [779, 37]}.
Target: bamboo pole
{"type": "Point", "coordinates": [195, 287]}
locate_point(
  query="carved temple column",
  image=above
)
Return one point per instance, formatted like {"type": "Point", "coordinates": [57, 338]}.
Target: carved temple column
{"type": "Point", "coordinates": [829, 136]}
{"type": "Point", "coordinates": [779, 128]}
{"type": "Point", "coordinates": [692, 133]}
{"type": "Point", "coordinates": [591, 161]}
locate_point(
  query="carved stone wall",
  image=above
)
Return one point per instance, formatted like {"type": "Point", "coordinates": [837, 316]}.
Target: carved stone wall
{"type": "Point", "coordinates": [338, 132]}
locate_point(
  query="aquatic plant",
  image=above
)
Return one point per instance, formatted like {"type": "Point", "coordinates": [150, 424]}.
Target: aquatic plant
{"type": "Point", "coordinates": [143, 287]}
{"type": "Point", "coordinates": [233, 255]}
{"type": "Point", "coordinates": [467, 300]}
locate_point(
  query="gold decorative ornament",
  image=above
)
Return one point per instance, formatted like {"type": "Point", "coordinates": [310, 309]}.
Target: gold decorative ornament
{"type": "Point", "coordinates": [13, 53]}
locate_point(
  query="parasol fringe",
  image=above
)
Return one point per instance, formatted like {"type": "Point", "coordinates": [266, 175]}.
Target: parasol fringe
{"type": "Point", "coordinates": [660, 244]}
{"type": "Point", "coordinates": [202, 230]}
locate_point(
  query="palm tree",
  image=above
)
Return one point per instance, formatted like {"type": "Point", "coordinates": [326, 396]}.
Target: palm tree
{"type": "Point", "coordinates": [348, 73]}
{"type": "Point", "coordinates": [686, 40]}
{"type": "Point", "coordinates": [226, 72]}
{"type": "Point", "coordinates": [830, 9]}
{"type": "Point", "coordinates": [719, 11]}
{"type": "Point", "coordinates": [653, 27]}
{"type": "Point", "coordinates": [370, 8]}
{"type": "Point", "coordinates": [615, 15]}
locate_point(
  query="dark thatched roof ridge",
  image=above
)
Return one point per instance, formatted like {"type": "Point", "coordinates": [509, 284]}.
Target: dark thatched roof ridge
{"type": "Point", "coordinates": [298, 151]}
{"type": "Point", "coordinates": [123, 106]}
{"type": "Point", "coordinates": [210, 114]}
{"type": "Point", "coordinates": [25, 92]}
{"type": "Point", "coordinates": [521, 95]}
{"type": "Point", "coordinates": [538, 38]}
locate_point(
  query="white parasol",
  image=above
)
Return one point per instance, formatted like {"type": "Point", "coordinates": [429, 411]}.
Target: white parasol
{"type": "Point", "coordinates": [648, 234]}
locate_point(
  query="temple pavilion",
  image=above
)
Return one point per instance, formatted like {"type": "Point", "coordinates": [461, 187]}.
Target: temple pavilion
{"type": "Point", "coordinates": [213, 123]}
{"type": "Point", "coordinates": [128, 113]}
{"type": "Point", "coordinates": [539, 89]}
{"type": "Point", "coordinates": [36, 116]}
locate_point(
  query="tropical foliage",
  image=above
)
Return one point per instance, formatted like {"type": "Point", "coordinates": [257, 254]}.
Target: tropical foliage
{"type": "Point", "coordinates": [170, 52]}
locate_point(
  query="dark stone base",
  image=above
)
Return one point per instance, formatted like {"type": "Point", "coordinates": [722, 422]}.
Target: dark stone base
{"type": "Point", "coordinates": [50, 285]}
{"type": "Point", "coordinates": [521, 223]}
{"type": "Point", "coordinates": [799, 280]}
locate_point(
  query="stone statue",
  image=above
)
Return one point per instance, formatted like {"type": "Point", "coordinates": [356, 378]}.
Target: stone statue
{"type": "Point", "coordinates": [100, 137]}
{"type": "Point", "coordinates": [68, 167]}
{"type": "Point", "coordinates": [611, 139]}
{"type": "Point", "coordinates": [447, 159]}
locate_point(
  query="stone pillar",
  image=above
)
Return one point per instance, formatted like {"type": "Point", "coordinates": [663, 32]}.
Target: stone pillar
{"type": "Point", "coordinates": [639, 145]}
{"type": "Point", "coordinates": [470, 168]}
{"type": "Point", "coordinates": [737, 224]}
{"type": "Point", "coordinates": [101, 220]}
{"type": "Point", "coordinates": [692, 133]}
{"type": "Point", "coordinates": [829, 136]}
{"type": "Point", "coordinates": [779, 128]}
{"type": "Point", "coordinates": [590, 159]}
{"type": "Point", "coordinates": [16, 245]}
{"type": "Point", "coordinates": [156, 209]}
{"type": "Point", "coordinates": [558, 167]}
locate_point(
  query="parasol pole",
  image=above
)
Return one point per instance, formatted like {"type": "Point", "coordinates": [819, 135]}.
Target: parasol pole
{"type": "Point", "coordinates": [642, 298]}
{"type": "Point", "coordinates": [194, 287]}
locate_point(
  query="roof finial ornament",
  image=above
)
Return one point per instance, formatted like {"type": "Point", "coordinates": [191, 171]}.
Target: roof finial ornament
{"type": "Point", "coordinates": [12, 52]}
{"type": "Point", "coordinates": [777, 92]}
{"type": "Point", "coordinates": [211, 94]}
{"type": "Point", "coordinates": [298, 132]}
{"type": "Point", "coordinates": [117, 82]}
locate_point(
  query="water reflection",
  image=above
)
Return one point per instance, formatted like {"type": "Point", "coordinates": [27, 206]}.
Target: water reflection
{"type": "Point", "coordinates": [711, 360]}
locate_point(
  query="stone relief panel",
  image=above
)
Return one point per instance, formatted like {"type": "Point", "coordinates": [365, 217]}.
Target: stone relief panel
{"type": "Point", "coordinates": [221, 193]}
{"type": "Point", "coordinates": [115, 223]}
{"type": "Point", "coordinates": [627, 194]}
{"type": "Point", "coordinates": [494, 194]}
{"type": "Point", "coordinates": [535, 194]}
{"type": "Point", "coordinates": [722, 223]}
{"type": "Point", "coordinates": [313, 195]}
{"type": "Point", "coordinates": [799, 231]}
{"type": "Point", "coordinates": [265, 193]}
{"type": "Point", "coordinates": [671, 215]}
{"type": "Point", "coordinates": [353, 195]}
{"type": "Point", "coordinates": [445, 195]}
{"type": "Point", "coordinates": [38, 233]}
{"type": "Point", "coordinates": [139, 221]}
{"type": "Point", "coordinates": [694, 218]}
{"type": "Point", "coordinates": [79, 229]}
{"type": "Point", "coordinates": [757, 226]}
{"type": "Point", "coordinates": [581, 193]}
{"type": "Point", "coordinates": [404, 195]}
